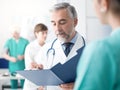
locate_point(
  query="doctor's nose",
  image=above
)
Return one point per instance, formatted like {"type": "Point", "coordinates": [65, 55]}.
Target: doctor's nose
{"type": "Point", "coordinates": [57, 27]}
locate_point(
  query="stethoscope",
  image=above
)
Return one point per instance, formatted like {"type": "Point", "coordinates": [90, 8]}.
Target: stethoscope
{"type": "Point", "coordinates": [52, 50]}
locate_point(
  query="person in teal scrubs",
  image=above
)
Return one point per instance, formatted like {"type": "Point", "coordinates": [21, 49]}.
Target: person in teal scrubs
{"type": "Point", "coordinates": [99, 66]}
{"type": "Point", "coordinates": [14, 49]}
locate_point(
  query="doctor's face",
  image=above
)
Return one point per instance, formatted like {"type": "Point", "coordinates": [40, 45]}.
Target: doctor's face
{"type": "Point", "coordinates": [41, 36]}
{"type": "Point", "coordinates": [63, 24]}
{"type": "Point", "coordinates": [16, 35]}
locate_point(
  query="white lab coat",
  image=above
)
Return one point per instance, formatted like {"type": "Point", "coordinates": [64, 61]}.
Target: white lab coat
{"type": "Point", "coordinates": [59, 55]}
{"type": "Point", "coordinates": [31, 51]}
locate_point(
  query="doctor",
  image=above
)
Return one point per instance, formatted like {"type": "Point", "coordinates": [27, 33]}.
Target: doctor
{"type": "Point", "coordinates": [14, 50]}
{"type": "Point", "coordinates": [40, 32]}
{"type": "Point", "coordinates": [64, 20]}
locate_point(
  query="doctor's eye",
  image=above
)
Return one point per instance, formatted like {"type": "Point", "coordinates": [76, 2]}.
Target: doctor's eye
{"type": "Point", "coordinates": [53, 23]}
{"type": "Point", "coordinates": [62, 22]}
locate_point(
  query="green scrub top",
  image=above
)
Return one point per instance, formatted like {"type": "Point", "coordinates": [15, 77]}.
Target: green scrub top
{"type": "Point", "coordinates": [14, 49]}
{"type": "Point", "coordinates": [99, 66]}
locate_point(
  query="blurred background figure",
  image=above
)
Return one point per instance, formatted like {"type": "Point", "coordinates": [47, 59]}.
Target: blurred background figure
{"type": "Point", "coordinates": [99, 66]}
{"type": "Point", "coordinates": [14, 49]}
{"type": "Point", "coordinates": [31, 51]}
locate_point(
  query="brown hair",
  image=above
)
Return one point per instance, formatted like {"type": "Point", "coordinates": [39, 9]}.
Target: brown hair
{"type": "Point", "coordinates": [40, 27]}
{"type": "Point", "coordinates": [114, 7]}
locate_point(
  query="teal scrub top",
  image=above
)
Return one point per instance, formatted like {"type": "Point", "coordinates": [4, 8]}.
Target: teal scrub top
{"type": "Point", "coordinates": [99, 66]}
{"type": "Point", "coordinates": [14, 49]}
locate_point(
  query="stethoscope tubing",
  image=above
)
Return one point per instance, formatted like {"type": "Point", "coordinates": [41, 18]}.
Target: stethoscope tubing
{"type": "Point", "coordinates": [53, 50]}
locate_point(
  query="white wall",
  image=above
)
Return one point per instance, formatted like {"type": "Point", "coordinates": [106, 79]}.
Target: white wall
{"type": "Point", "coordinates": [89, 25]}
{"type": "Point", "coordinates": [80, 6]}
{"type": "Point", "coordinates": [25, 13]}
{"type": "Point", "coordinates": [95, 30]}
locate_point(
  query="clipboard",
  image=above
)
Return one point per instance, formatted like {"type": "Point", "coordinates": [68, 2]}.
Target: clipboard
{"type": "Point", "coordinates": [59, 74]}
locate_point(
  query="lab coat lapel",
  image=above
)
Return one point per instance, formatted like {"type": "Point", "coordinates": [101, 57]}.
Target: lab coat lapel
{"type": "Point", "coordinates": [60, 55]}
{"type": "Point", "coordinates": [78, 44]}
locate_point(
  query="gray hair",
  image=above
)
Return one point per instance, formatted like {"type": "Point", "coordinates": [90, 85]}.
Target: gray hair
{"type": "Point", "coordinates": [70, 8]}
{"type": "Point", "coordinates": [15, 28]}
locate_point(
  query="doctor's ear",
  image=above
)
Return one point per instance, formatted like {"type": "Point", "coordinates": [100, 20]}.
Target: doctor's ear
{"type": "Point", "coordinates": [75, 22]}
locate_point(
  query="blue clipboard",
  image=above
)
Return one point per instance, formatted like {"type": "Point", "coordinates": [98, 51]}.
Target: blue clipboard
{"type": "Point", "coordinates": [59, 74]}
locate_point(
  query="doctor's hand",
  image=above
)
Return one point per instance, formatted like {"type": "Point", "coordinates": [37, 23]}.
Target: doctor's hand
{"type": "Point", "coordinates": [39, 66]}
{"type": "Point", "coordinates": [41, 88]}
{"type": "Point", "coordinates": [67, 86]}
{"type": "Point", "coordinates": [34, 65]}
{"type": "Point", "coordinates": [20, 57]}
{"type": "Point", "coordinates": [13, 59]}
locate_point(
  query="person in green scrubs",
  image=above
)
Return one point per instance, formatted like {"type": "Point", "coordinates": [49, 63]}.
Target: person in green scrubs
{"type": "Point", "coordinates": [14, 49]}
{"type": "Point", "coordinates": [99, 66]}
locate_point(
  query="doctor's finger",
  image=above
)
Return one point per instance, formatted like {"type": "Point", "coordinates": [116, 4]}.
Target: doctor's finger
{"type": "Point", "coordinates": [68, 86]}
{"type": "Point", "coordinates": [40, 66]}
